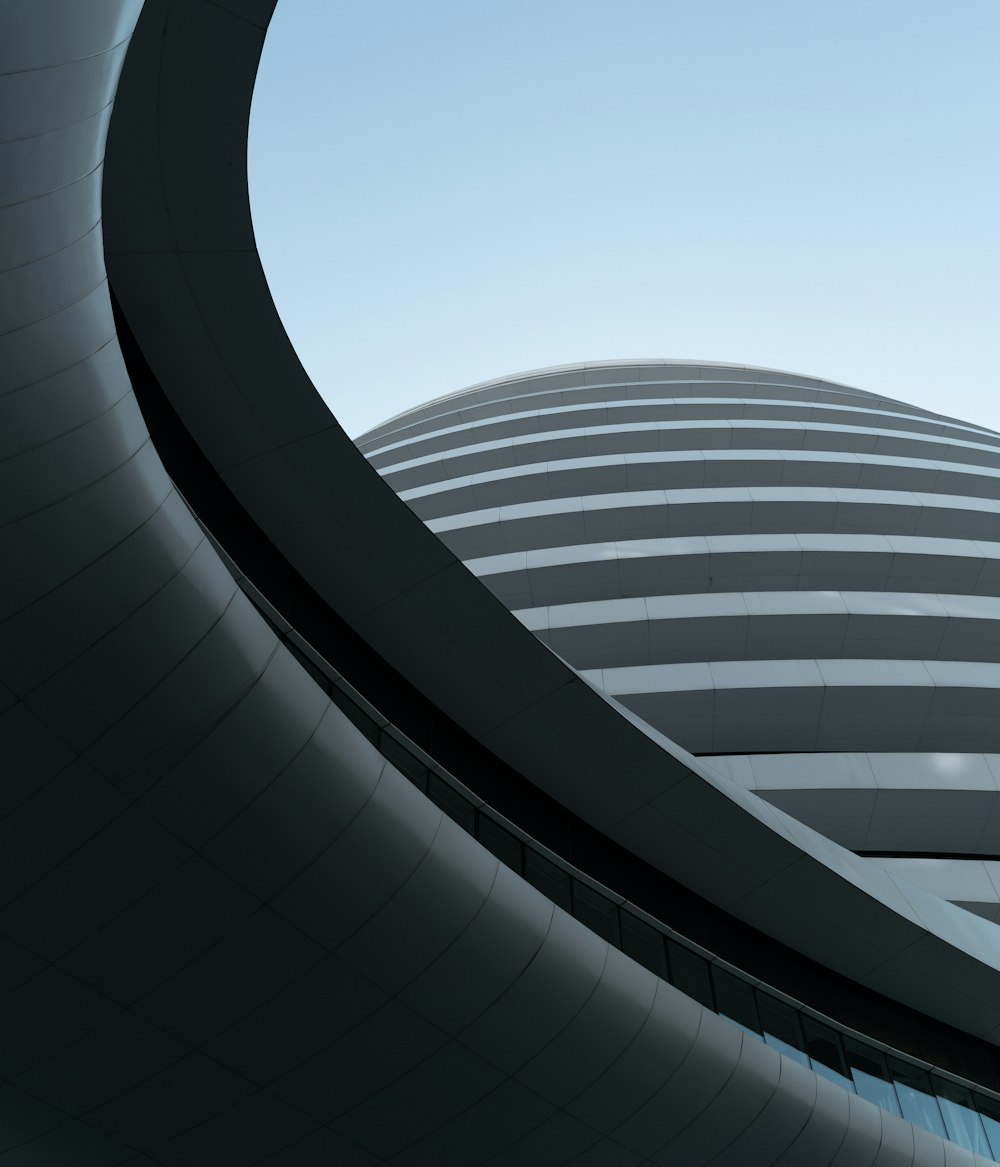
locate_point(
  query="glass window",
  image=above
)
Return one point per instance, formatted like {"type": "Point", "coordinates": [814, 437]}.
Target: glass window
{"type": "Point", "coordinates": [963, 1124]}
{"type": "Point", "coordinates": [780, 1025]}
{"type": "Point", "coordinates": [644, 944]}
{"type": "Point", "coordinates": [596, 911]}
{"type": "Point", "coordinates": [989, 1112]}
{"type": "Point", "coordinates": [871, 1078]}
{"type": "Point", "coordinates": [826, 1055]}
{"type": "Point", "coordinates": [689, 972]}
{"type": "Point", "coordinates": [734, 999]}
{"type": "Point", "coordinates": [500, 842]}
{"type": "Point", "coordinates": [550, 880]}
{"type": "Point", "coordinates": [916, 1099]}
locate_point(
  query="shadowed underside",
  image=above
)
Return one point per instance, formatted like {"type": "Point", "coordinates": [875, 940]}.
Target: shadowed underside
{"type": "Point", "coordinates": [232, 932]}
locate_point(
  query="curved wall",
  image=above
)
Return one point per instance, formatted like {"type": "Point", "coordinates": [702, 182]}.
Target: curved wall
{"type": "Point", "coordinates": [195, 309]}
{"type": "Point", "coordinates": [232, 933]}
{"type": "Point", "coordinates": [751, 562]}
{"type": "Point", "coordinates": [800, 578]}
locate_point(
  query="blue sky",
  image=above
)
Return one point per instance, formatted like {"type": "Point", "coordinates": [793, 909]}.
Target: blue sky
{"type": "Point", "coordinates": [446, 191]}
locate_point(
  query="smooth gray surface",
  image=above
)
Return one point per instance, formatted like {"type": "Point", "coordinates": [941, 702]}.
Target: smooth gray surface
{"type": "Point", "coordinates": [232, 932]}
{"type": "Point", "coordinates": [402, 591]}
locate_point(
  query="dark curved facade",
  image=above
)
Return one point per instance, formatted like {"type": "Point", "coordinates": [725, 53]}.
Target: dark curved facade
{"type": "Point", "coordinates": [247, 702]}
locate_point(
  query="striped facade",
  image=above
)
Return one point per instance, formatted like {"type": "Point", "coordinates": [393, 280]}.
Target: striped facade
{"type": "Point", "coordinates": [314, 854]}
{"type": "Point", "coordinates": [798, 578]}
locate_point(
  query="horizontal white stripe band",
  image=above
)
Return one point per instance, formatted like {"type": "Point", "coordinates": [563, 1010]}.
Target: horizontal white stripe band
{"type": "Point", "coordinates": [734, 403]}
{"type": "Point", "coordinates": [668, 457]}
{"type": "Point", "coordinates": [863, 771]}
{"type": "Point", "coordinates": [712, 605]}
{"type": "Point", "coordinates": [736, 495]}
{"type": "Point", "coordinates": [706, 545]}
{"type": "Point", "coordinates": [712, 424]}
{"type": "Point", "coordinates": [783, 674]}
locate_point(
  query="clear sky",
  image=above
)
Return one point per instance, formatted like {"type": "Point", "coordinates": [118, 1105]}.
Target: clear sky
{"type": "Point", "coordinates": [446, 191]}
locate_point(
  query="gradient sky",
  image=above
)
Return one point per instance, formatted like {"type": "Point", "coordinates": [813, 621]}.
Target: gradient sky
{"type": "Point", "coordinates": [446, 191]}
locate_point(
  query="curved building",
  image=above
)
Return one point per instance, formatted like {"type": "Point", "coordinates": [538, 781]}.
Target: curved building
{"type": "Point", "coordinates": [798, 578]}
{"type": "Point", "coordinates": [311, 852]}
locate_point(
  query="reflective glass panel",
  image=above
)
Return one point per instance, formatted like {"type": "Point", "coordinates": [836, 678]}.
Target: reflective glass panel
{"type": "Point", "coordinates": [871, 1078]}
{"type": "Point", "coordinates": [989, 1112]}
{"type": "Point", "coordinates": [780, 1025]}
{"type": "Point", "coordinates": [913, 1088]}
{"type": "Point", "coordinates": [963, 1124]}
{"type": "Point", "coordinates": [825, 1053]}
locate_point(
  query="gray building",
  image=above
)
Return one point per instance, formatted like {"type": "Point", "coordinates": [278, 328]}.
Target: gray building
{"type": "Point", "coordinates": [798, 579]}
{"type": "Point", "coordinates": [310, 852]}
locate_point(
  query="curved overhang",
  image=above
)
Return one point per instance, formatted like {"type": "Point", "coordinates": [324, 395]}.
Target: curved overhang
{"type": "Point", "coordinates": [183, 264]}
{"type": "Point", "coordinates": [232, 932]}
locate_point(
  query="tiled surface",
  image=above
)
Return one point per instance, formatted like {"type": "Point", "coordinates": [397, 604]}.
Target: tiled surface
{"type": "Point", "coordinates": [197, 972]}
{"type": "Point", "coordinates": [817, 568]}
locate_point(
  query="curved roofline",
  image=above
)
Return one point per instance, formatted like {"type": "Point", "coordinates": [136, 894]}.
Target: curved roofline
{"type": "Point", "coordinates": [182, 261]}
{"type": "Point", "coordinates": [666, 362]}
{"type": "Point", "coordinates": [198, 837]}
